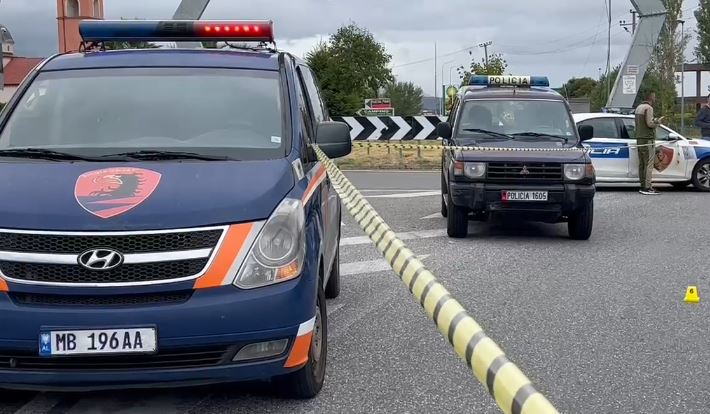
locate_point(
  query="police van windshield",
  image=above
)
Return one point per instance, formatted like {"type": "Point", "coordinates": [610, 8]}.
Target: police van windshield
{"type": "Point", "coordinates": [100, 112]}
{"type": "Point", "coordinates": [516, 119]}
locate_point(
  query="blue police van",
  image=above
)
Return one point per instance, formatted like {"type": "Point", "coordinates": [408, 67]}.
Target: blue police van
{"type": "Point", "coordinates": [165, 220]}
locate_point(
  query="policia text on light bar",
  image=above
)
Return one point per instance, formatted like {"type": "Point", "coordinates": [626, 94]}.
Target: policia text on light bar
{"type": "Point", "coordinates": [510, 80]}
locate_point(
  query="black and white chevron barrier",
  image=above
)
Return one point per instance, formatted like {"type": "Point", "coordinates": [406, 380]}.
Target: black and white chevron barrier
{"type": "Point", "coordinates": [391, 128]}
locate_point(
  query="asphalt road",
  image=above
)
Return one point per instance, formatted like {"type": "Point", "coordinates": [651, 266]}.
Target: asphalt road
{"type": "Point", "coordinates": [598, 326]}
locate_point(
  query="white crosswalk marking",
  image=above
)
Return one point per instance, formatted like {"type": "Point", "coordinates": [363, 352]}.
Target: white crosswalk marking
{"type": "Point", "coordinates": [369, 266]}
{"type": "Point", "coordinates": [407, 195]}
{"type": "Point", "coordinates": [422, 234]}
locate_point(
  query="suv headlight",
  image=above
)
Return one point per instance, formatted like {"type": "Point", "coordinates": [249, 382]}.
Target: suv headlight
{"type": "Point", "coordinates": [278, 252]}
{"type": "Point", "coordinates": [470, 169]}
{"type": "Point", "coordinates": [576, 172]}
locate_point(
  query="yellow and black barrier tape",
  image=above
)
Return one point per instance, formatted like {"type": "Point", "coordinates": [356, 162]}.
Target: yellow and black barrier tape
{"type": "Point", "coordinates": [511, 389]}
{"type": "Point", "coordinates": [383, 144]}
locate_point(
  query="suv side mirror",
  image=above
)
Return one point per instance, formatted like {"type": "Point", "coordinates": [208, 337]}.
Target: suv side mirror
{"type": "Point", "coordinates": [443, 130]}
{"type": "Point", "coordinates": [333, 138]}
{"type": "Point", "coordinates": [586, 132]}
{"type": "Point", "coordinates": [674, 137]}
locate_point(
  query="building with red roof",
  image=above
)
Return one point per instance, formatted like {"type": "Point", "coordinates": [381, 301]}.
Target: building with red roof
{"type": "Point", "coordinates": [69, 14]}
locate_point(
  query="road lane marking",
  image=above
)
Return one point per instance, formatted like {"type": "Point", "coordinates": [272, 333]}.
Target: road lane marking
{"type": "Point", "coordinates": [407, 195]}
{"type": "Point", "coordinates": [431, 216]}
{"type": "Point", "coordinates": [44, 403]}
{"type": "Point", "coordinates": [397, 190]}
{"type": "Point", "coordinates": [368, 266]}
{"type": "Point", "coordinates": [335, 308]}
{"type": "Point", "coordinates": [414, 235]}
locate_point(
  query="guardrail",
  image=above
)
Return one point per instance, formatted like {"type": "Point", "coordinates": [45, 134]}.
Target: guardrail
{"type": "Point", "coordinates": [511, 389]}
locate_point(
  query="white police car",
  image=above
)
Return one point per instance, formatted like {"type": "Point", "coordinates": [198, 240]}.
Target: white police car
{"type": "Point", "coordinates": [679, 161]}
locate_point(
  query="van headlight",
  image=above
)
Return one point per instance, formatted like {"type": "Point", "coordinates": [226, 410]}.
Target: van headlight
{"type": "Point", "coordinates": [576, 172]}
{"type": "Point", "coordinates": [278, 252]}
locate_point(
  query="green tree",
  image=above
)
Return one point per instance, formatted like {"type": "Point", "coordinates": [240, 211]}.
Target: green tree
{"type": "Point", "coordinates": [351, 67]}
{"type": "Point", "coordinates": [496, 66]}
{"type": "Point", "coordinates": [130, 45]}
{"type": "Point", "coordinates": [702, 16]}
{"type": "Point", "coordinates": [599, 95]}
{"type": "Point", "coordinates": [667, 55]}
{"type": "Point", "coordinates": [579, 87]}
{"type": "Point", "coordinates": [406, 98]}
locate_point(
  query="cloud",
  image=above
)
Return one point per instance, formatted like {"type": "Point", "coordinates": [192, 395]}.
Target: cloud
{"type": "Point", "coordinates": [560, 39]}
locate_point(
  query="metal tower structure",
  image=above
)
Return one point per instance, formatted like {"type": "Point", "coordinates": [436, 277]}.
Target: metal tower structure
{"type": "Point", "coordinates": [190, 10]}
{"type": "Point", "coordinates": [652, 15]}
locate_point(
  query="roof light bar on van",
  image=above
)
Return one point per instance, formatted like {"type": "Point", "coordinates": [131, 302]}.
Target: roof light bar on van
{"type": "Point", "coordinates": [510, 80]}
{"type": "Point", "coordinates": [177, 30]}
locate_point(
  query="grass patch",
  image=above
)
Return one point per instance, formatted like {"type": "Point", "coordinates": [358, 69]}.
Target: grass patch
{"type": "Point", "coordinates": [385, 157]}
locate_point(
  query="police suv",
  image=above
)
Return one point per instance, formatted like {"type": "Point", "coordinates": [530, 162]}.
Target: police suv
{"type": "Point", "coordinates": [679, 161]}
{"type": "Point", "coordinates": [165, 219]}
{"type": "Point", "coordinates": [528, 160]}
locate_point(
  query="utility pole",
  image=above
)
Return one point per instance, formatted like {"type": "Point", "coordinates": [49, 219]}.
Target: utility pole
{"type": "Point", "coordinates": [625, 24]}
{"type": "Point", "coordinates": [682, 76]}
{"type": "Point", "coordinates": [608, 55]}
{"type": "Point", "coordinates": [485, 45]}
{"type": "Point", "coordinates": [436, 81]}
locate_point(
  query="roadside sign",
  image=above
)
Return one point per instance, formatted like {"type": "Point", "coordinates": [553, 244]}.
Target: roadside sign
{"type": "Point", "coordinates": [629, 85]}
{"type": "Point", "coordinates": [376, 112]}
{"type": "Point", "coordinates": [378, 103]}
{"type": "Point", "coordinates": [632, 70]}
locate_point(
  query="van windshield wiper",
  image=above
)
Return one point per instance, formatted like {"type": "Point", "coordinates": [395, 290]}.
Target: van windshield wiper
{"type": "Point", "coordinates": [45, 154]}
{"type": "Point", "coordinates": [148, 155]}
{"type": "Point", "coordinates": [541, 135]}
{"type": "Point", "coordinates": [487, 132]}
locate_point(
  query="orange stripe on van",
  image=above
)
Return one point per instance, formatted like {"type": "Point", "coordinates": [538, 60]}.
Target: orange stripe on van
{"type": "Point", "coordinates": [3, 286]}
{"type": "Point", "coordinates": [232, 244]}
{"type": "Point", "coordinates": [299, 352]}
{"type": "Point", "coordinates": [315, 182]}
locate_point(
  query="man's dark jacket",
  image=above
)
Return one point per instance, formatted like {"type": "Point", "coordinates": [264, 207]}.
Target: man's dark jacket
{"type": "Point", "coordinates": [702, 121]}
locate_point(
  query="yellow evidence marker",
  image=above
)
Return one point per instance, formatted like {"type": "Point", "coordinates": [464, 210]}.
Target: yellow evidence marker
{"type": "Point", "coordinates": [692, 295]}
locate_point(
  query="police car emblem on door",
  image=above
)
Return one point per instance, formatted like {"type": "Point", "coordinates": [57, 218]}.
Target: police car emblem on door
{"type": "Point", "coordinates": [100, 259]}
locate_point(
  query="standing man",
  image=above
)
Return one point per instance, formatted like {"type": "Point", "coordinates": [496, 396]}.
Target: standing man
{"type": "Point", "coordinates": [702, 121]}
{"type": "Point", "coordinates": [646, 126]}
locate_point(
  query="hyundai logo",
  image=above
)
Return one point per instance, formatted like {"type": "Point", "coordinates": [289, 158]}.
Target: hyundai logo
{"type": "Point", "coordinates": [100, 259]}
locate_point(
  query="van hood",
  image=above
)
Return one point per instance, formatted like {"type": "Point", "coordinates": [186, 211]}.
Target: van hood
{"type": "Point", "coordinates": [85, 196]}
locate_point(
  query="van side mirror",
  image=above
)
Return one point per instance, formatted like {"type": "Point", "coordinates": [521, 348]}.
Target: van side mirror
{"type": "Point", "coordinates": [586, 132]}
{"type": "Point", "coordinates": [443, 130]}
{"type": "Point", "coordinates": [333, 138]}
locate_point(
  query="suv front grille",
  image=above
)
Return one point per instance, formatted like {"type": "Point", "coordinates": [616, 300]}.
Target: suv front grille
{"type": "Point", "coordinates": [528, 171]}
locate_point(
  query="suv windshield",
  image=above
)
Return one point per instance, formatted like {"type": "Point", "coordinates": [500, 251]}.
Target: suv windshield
{"type": "Point", "coordinates": [213, 112]}
{"type": "Point", "coordinates": [515, 119]}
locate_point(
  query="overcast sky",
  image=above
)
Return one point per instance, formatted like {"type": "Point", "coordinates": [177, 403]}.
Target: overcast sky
{"type": "Point", "coordinates": [558, 38]}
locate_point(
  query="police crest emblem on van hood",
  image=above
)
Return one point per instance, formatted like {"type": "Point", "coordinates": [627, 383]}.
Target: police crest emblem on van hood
{"type": "Point", "coordinates": [109, 192]}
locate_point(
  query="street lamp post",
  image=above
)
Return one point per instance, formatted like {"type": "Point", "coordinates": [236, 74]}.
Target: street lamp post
{"type": "Point", "coordinates": [682, 77]}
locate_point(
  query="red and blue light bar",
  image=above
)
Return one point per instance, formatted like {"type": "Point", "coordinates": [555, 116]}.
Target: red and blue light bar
{"type": "Point", "coordinates": [177, 30]}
